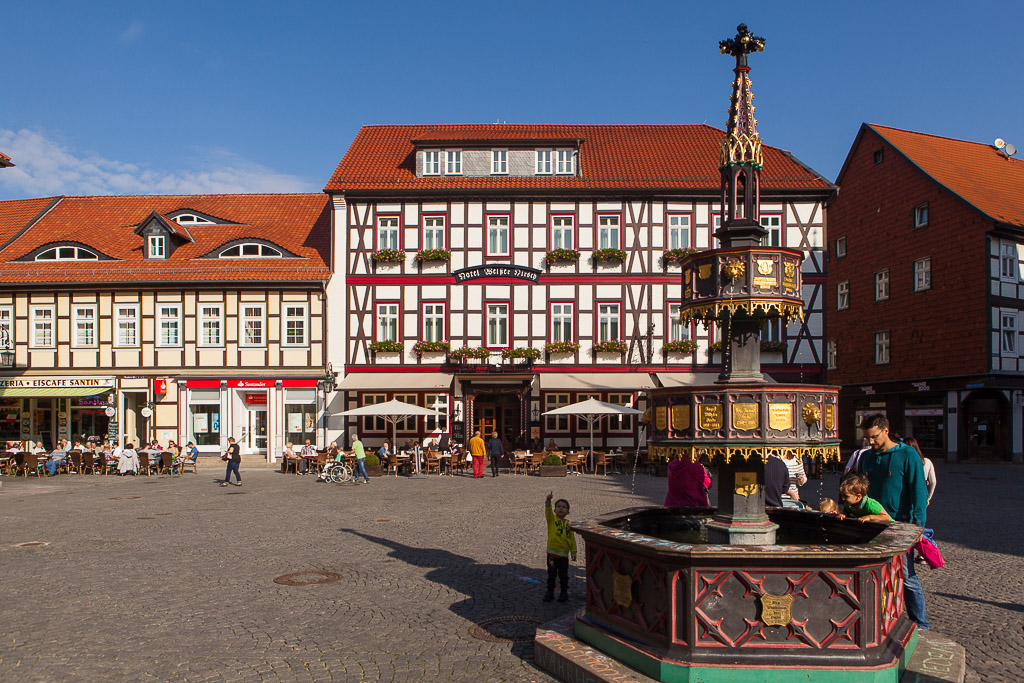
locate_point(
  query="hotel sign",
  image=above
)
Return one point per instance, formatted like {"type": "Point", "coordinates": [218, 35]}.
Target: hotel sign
{"type": "Point", "coordinates": [57, 383]}
{"type": "Point", "coordinates": [503, 270]}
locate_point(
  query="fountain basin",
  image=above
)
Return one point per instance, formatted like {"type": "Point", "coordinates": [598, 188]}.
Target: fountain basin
{"type": "Point", "coordinates": [827, 598]}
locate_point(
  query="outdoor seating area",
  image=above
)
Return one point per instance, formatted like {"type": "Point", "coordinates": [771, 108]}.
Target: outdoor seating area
{"type": "Point", "coordinates": [94, 462]}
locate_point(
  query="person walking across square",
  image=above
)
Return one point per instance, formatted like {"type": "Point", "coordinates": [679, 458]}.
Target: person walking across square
{"type": "Point", "coordinates": [360, 453]}
{"type": "Point", "coordinates": [477, 449]}
{"type": "Point", "coordinates": [561, 544]}
{"type": "Point", "coordinates": [494, 451]}
{"type": "Point", "coordinates": [234, 457]}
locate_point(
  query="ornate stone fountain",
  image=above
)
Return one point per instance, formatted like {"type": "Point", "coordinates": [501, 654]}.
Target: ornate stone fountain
{"type": "Point", "coordinates": [721, 595]}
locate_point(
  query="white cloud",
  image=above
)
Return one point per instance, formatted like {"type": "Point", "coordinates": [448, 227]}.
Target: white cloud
{"type": "Point", "coordinates": [46, 167]}
{"type": "Point", "coordinates": [132, 32]}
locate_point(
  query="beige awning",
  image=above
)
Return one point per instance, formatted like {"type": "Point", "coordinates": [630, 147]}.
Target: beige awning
{"type": "Point", "coordinates": [395, 381]}
{"type": "Point", "coordinates": [687, 379]}
{"type": "Point", "coordinates": [51, 391]}
{"type": "Point", "coordinates": [595, 381]}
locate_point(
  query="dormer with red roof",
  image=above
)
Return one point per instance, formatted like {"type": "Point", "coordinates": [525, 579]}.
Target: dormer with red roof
{"type": "Point", "coordinates": [161, 236]}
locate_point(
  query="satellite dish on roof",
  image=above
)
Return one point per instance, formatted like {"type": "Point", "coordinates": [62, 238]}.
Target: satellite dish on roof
{"type": "Point", "coordinates": [1010, 150]}
{"type": "Point", "coordinates": [999, 143]}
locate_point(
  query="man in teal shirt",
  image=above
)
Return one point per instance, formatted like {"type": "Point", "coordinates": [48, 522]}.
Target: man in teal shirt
{"type": "Point", "coordinates": [896, 480]}
{"type": "Point", "coordinates": [360, 453]}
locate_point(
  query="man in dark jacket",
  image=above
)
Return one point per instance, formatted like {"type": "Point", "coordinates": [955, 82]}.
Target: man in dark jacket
{"type": "Point", "coordinates": [776, 481]}
{"type": "Point", "coordinates": [494, 451]}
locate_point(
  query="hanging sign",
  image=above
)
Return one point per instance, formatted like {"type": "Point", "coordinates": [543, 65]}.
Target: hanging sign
{"type": "Point", "coordinates": [503, 270]}
{"type": "Point", "coordinates": [260, 398]}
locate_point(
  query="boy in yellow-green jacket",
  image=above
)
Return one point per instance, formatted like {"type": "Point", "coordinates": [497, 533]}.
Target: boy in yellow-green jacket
{"type": "Point", "coordinates": [561, 544]}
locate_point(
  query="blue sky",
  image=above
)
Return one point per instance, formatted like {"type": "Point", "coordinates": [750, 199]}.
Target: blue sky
{"type": "Point", "coordinates": [140, 97]}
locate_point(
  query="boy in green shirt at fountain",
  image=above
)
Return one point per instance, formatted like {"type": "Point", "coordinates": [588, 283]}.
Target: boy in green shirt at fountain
{"type": "Point", "coordinates": [856, 503]}
{"type": "Point", "coordinates": [561, 544]}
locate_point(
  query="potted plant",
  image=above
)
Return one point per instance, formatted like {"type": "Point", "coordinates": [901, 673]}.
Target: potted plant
{"type": "Point", "coordinates": [372, 465]}
{"type": "Point", "coordinates": [434, 255]}
{"type": "Point", "coordinates": [466, 352]}
{"type": "Point", "coordinates": [676, 255]}
{"type": "Point", "coordinates": [610, 255]}
{"type": "Point", "coordinates": [552, 466]}
{"type": "Point", "coordinates": [766, 347]}
{"type": "Point", "coordinates": [563, 255]}
{"type": "Point", "coordinates": [686, 346]}
{"type": "Point", "coordinates": [423, 346]}
{"type": "Point", "coordinates": [527, 353]}
{"type": "Point", "coordinates": [386, 346]}
{"type": "Point", "coordinates": [562, 347]}
{"type": "Point", "coordinates": [610, 346]}
{"type": "Point", "coordinates": [388, 256]}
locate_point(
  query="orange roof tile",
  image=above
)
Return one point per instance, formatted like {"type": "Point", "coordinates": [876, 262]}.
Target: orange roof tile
{"type": "Point", "coordinates": [5, 160]}
{"type": "Point", "coordinates": [300, 223]}
{"type": "Point", "coordinates": [612, 157]}
{"type": "Point", "coordinates": [15, 215]}
{"type": "Point", "coordinates": [979, 173]}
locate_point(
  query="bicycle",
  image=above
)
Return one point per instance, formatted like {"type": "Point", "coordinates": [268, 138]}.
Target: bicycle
{"type": "Point", "coordinates": [337, 472]}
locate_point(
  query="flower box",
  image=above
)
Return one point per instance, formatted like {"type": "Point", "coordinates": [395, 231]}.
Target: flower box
{"type": "Point", "coordinates": [562, 347]}
{"type": "Point", "coordinates": [467, 352]}
{"type": "Point", "coordinates": [423, 346]}
{"type": "Point", "coordinates": [766, 347]}
{"type": "Point", "coordinates": [609, 256]}
{"type": "Point", "coordinates": [611, 346]}
{"type": "Point", "coordinates": [388, 256]}
{"type": "Point", "coordinates": [686, 346]}
{"type": "Point", "coordinates": [386, 346]}
{"type": "Point", "coordinates": [563, 255]}
{"type": "Point", "coordinates": [434, 255]}
{"type": "Point", "coordinates": [552, 471]}
{"type": "Point", "coordinates": [527, 353]}
{"type": "Point", "coordinates": [676, 255]}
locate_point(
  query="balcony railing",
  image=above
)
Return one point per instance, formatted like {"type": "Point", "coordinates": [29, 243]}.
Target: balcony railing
{"type": "Point", "coordinates": [491, 365]}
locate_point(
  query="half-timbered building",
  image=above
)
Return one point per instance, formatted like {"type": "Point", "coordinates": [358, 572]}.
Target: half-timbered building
{"type": "Point", "coordinates": [494, 272]}
{"type": "Point", "coordinates": [185, 318]}
{"type": "Point", "coordinates": [927, 312]}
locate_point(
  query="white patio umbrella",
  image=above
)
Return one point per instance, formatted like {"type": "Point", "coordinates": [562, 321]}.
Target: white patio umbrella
{"type": "Point", "coordinates": [592, 411]}
{"type": "Point", "coordinates": [392, 412]}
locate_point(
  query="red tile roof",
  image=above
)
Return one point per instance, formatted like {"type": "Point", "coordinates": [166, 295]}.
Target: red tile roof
{"type": "Point", "coordinates": [977, 172]}
{"type": "Point", "coordinates": [612, 157]}
{"type": "Point", "coordinates": [300, 223]}
{"type": "Point", "coordinates": [15, 215]}
{"type": "Point", "coordinates": [5, 160]}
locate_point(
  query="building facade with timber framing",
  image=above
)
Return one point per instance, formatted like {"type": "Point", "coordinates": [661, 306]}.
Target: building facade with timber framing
{"type": "Point", "coordinates": [494, 272]}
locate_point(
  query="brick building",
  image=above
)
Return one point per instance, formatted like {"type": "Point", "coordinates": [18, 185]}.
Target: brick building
{"type": "Point", "coordinates": [926, 310]}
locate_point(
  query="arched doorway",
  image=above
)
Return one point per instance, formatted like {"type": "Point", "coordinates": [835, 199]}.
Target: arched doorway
{"type": "Point", "coordinates": [987, 426]}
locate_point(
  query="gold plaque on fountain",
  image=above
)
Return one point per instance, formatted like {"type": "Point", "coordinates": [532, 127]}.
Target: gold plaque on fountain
{"type": "Point", "coordinates": [764, 266]}
{"type": "Point", "coordinates": [744, 416]}
{"type": "Point", "coordinates": [780, 416]}
{"type": "Point", "coordinates": [704, 271]}
{"type": "Point", "coordinates": [622, 589]}
{"type": "Point", "coordinates": [681, 417]}
{"type": "Point", "coordinates": [776, 610]}
{"type": "Point", "coordinates": [710, 416]}
{"type": "Point", "coordinates": [745, 484]}
{"type": "Point", "coordinates": [686, 276]}
{"type": "Point", "coordinates": [661, 418]}
{"type": "Point", "coordinates": [789, 277]}
{"type": "Point", "coordinates": [830, 417]}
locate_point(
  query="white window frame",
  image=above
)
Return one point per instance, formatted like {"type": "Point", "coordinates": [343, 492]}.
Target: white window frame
{"type": "Point", "coordinates": [772, 222]}
{"type": "Point", "coordinates": [499, 234]}
{"type": "Point", "coordinates": [620, 423]}
{"type": "Point", "coordinates": [563, 232]}
{"type": "Point", "coordinates": [499, 162]}
{"type": "Point", "coordinates": [831, 354]}
{"type": "Point", "coordinates": [122, 338]}
{"type": "Point", "coordinates": [435, 321]}
{"type": "Point", "coordinates": [90, 326]}
{"type": "Point", "coordinates": [556, 423]}
{"type": "Point", "coordinates": [563, 322]}
{"type": "Point", "coordinates": [1009, 270]}
{"type": "Point", "coordinates": [245, 317]}
{"type": "Point", "coordinates": [882, 285]}
{"type": "Point", "coordinates": [156, 246]}
{"type": "Point", "coordinates": [294, 313]}
{"type": "Point", "coordinates": [543, 165]}
{"type": "Point", "coordinates": [434, 232]}
{"type": "Point", "coordinates": [609, 231]}
{"type": "Point", "coordinates": [205, 316]}
{"type": "Point", "coordinates": [609, 321]}
{"type": "Point", "coordinates": [678, 329]}
{"type": "Point", "coordinates": [499, 325]}
{"type": "Point", "coordinates": [431, 162]}
{"type": "Point", "coordinates": [921, 215]}
{"type": "Point", "coordinates": [7, 322]}
{"type": "Point", "coordinates": [1008, 333]}
{"type": "Point", "coordinates": [388, 321]}
{"type": "Point", "coordinates": [161, 318]}
{"type": "Point", "coordinates": [842, 295]}
{"type": "Point", "coordinates": [840, 247]}
{"type": "Point", "coordinates": [77, 254]}
{"type": "Point", "coordinates": [565, 162]}
{"type": "Point", "coordinates": [771, 330]}
{"type": "Point", "coordinates": [45, 324]}
{"type": "Point", "coordinates": [439, 420]}
{"type": "Point", "coordinates": [923, 274]}
{"type": "Point", "coordinates": [453, 162]}
{"type": "Point", "coordinates": [882, 346]}
{"type": "Point", "coordinates": [678, 227]}
{"type": "Point", "coordinates": [389, 232]}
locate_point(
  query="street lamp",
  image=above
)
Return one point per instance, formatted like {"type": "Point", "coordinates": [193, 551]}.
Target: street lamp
{"type": "Point", "coordinates": [328, 380]}
{"type": "Point", "coordinates": [7, 353]}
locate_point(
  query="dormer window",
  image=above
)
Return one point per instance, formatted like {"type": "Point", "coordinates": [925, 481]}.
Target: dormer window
{"type": "Point", "coordinates": [543, 162]}
{"type": "Point", "coordinates": [192, 219]}
{"type": "Point", "coordinates": [432, 162]}
{"type": "Point", "coordinates": [67, 254]}
{"type": "Point", "coordinates": [453, 165]}
{"type": "Point", "coordinates": [565, 165]}
{"type": "Point", "coordinates": [156, 247]}
{"type": "Point", "coordinates": [250, 250]}
{"type": "Point", "coordinates": [499, 162]}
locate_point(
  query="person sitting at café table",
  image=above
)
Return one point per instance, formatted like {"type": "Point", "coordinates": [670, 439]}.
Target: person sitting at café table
{"type": "Point", "coordinates": [552, 446]}
{"type": "Point", "coordinates": [384, 452]}
{"type": "Point", "coordinates": [57, 458]}
{"type": "Point", "coordinates": [129, 459]}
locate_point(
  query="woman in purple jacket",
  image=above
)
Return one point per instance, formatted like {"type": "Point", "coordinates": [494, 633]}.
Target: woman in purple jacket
{"type": "Point", "coordinates": [688, 484]}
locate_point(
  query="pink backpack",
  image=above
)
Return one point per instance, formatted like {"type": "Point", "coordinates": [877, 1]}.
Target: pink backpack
{"type": "Point", "coordinates": [930, 552]}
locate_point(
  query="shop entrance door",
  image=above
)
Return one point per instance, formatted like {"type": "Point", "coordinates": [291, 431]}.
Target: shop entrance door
{"type": "Point", "coordinates": [499, 413]}
{"type": "Point", "coordinates": [986, 432]}
{"type": "Point", "coordinates": [258, 429]}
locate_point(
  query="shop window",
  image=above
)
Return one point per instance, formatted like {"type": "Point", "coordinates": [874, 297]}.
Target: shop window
{"type": "Point", "coordinates": [88, 419]}
{"type": "Point", "coordinates": [373, 423]}
{"type": "Point", "coordinates": [300, 416]}
{"type": "Point", "coordinates": [620, 423]}
{"type": "Point", "coordinates": [204, 417]}
{"type": "Point", "coordinates": [10, 423]}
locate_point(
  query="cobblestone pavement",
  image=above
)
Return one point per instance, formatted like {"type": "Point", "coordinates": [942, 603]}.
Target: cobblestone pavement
{"type": "Point", "coordinates": [173, 578]}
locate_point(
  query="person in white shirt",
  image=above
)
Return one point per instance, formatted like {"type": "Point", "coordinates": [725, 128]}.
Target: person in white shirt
{"type": "Point", "coordinates": [129, 461]}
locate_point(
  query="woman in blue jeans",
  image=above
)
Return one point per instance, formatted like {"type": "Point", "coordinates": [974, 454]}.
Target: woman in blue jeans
{"type": "Point", "coordinates": [234, 458]}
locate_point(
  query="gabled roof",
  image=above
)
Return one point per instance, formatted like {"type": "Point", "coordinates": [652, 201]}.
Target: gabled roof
{"type": "Point", "coordinates": [16, 215]}
{"type": "Point", "coordinates": [170, 226]}
{"type": "Point", "coordinates": [5, 161]}
{"type": "Point", "coordinates": [978, 173]}
{"type": "Point", "coordinates": [298, 222]}
{"type": "Point", "coordinates": [612, 157]}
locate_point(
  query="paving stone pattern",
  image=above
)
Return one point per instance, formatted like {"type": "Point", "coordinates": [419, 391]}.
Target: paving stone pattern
{"type": "Point", "coordinates": [172, 578]}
